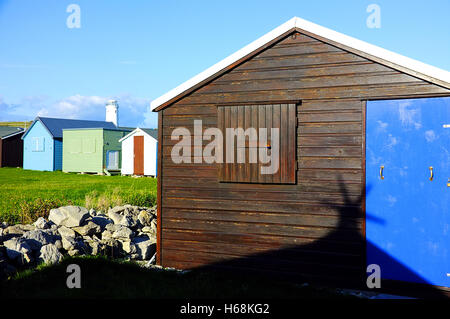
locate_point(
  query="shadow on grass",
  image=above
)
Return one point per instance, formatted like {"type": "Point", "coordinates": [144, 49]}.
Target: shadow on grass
{"type": "Point", "coordinates": [103, 278]}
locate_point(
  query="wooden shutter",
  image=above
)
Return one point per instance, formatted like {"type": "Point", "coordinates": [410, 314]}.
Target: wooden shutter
{"type": "Point", "coordinates": [281, 116]}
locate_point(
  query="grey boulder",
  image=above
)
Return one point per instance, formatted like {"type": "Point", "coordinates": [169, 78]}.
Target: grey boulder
{"type": "Point", "coordinates": [37, 238]}
{"type": "Point", "coordinates": [66, 232]}
{"type": "Point", "coordinates": [16, 230]}
{"type": "Point", "coordinates": [101, 221]}
{"type": "Point", "coordinates": [145, 247]}
{"type": "Point", "coordinates": [41, 223]}
{"type": "Point", "coordinates": [69, 216]}
{"type": "Point", "coordinates": [88, 230]}
{"type": "Point", "coordinates": [145, 218]}
{"type": "Point", "coordinates": [50, 254]}
{"type": "Point", "coordinates": [122, 232]}
{"type": "Point", "coordinates": [18, 249]}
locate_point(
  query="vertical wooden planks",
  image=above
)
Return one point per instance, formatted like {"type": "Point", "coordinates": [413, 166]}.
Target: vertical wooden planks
{"type": "Point", "coordinates": [221, 127]}
{"type": "Point", "coordinates": [247, 125]}
{"type": "Point", "coordinates": [227, 123]}
{"type": "Point", "coordinates": [268, 178]}
{"type": "Point", "coordinates": [261, 123]}
{"type": "Point", "coordinates": [239, 149]}
{"type": "Point", "coordinates": [234, 124]}
{"type": "Point", "coordinates": [284, 140]}
{"type": "Point", "coordinates": [276, 119]}
{"type": "Point", "coordinates": [254, 168]}
{"type": "Point", "coordinates": [244, 117]}
{"type": "Point", "coordinates": [292, 144]}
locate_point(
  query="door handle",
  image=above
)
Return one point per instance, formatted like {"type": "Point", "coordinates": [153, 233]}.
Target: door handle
{"type": "Point", "coordinates": [431, 173]}
{"type": "Point", "coordinates": [381, 172]}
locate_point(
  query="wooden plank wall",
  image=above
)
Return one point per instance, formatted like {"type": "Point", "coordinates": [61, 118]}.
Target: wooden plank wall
{"type": "Point", "coordinates": [11, 151]}
{"type": "Point", "coordinates": [206, 222]}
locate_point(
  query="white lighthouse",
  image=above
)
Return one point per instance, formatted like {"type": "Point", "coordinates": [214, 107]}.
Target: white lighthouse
{"type": "Point", "coordinates": [112, 112]}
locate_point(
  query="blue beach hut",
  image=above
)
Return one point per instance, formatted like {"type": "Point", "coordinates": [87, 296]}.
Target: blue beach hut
{"type": "Point", "coordinates": [42, 142]}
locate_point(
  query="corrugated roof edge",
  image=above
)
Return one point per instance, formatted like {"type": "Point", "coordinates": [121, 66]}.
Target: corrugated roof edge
{"type": "Point", "coordinates": [395, 60]}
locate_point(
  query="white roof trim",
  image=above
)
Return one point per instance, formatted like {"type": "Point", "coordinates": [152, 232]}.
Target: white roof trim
{"type": "Point", "coordinates": [318, 30]}
{"type": "Point", "coordinates": [12, 134]}
{"type": "Point", "coordinates": [134, 132]}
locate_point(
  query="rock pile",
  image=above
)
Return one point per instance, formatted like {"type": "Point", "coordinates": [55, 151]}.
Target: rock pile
{"type": "Point", "coordinates": [124, 232]}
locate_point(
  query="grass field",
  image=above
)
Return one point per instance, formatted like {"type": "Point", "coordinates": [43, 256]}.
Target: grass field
{"type": "Point", "coordinates": [102, 278]}
{"type": "Point", "coordinates": [26, 195]}
{"type": "Point", "coordinates": [16, 124]}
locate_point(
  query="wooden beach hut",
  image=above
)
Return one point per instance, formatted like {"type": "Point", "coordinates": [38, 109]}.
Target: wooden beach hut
{"type": "Point", "coordinates": [363, 178]}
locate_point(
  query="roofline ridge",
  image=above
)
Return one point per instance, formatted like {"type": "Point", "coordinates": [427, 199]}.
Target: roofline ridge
{"type": "Point", "coordinates": [394, 60]}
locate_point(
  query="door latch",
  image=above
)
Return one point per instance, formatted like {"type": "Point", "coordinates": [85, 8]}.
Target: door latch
{"type": "Point", "coordinates": [381, 172]}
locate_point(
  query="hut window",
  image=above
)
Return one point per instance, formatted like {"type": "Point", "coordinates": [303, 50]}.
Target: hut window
{"type": "Point", "coordinates": [88, 145]}
{"type": "Point", "coordinates": [38, 144]}
{"type": "Point", "coordinates": [112, 159]}
{"type": "Point", "coordinates": [260, 143]}
{"type": "Point", "coordinates": [74, 146]}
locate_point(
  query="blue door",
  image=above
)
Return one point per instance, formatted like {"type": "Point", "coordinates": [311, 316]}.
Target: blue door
{"type": "Point", "coordinates": [407, 189]}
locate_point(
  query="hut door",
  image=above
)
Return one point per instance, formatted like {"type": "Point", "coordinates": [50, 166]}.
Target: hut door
{"type": "Point", "coordinates": [138, 155]}
{"type": "Point", "coordinates": [408, 189]}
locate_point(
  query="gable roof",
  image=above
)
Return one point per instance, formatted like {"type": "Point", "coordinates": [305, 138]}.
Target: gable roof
{"type": "Point", "coordinates": [118, 128]}
{"type": "Point", "coordinates": [152, 132]}
{"type": "Point", "coordinates": [8, 131]}
{"type": "Point", "coordinates": [396, 61]}
{"type": "Point", "coordinates": [55, 126]}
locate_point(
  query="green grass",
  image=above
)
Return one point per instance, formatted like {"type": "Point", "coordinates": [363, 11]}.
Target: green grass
{"type": "Point", "coordinates": [16, 124]}
{"type": "Point", "coordinates": [26, 195]}
{"type": "Point", "coordinates": [103, 278]}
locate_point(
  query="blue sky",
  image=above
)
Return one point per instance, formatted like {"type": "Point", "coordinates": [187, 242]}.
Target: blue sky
{"type": "Point", "coordinates": [136, 50]}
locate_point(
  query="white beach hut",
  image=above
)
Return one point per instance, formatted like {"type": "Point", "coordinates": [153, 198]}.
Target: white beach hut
{"type": "Point", "coordinates": [139, 152]}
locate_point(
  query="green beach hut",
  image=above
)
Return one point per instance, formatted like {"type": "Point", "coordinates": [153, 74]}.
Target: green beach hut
{"type": "Point", "coordinates": [93, 150]}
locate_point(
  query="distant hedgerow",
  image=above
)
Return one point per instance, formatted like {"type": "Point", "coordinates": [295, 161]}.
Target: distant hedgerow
{"type": "Point", "coordinates": [32, 210]}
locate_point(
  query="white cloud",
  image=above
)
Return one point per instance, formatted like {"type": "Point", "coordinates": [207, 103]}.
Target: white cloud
{"type": "Point", "coordinates": [409, 117]}
{"type": "Point", "coordinates": [430, 136]}
{"type": "Point", "coordinates": [382, 126]}
{"type": "Point", "coordinates": [392, 141]}
{"type": "Point", "coordinates": [133, 111]}
{"type": "Point", "coordinates": [75, 107]}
